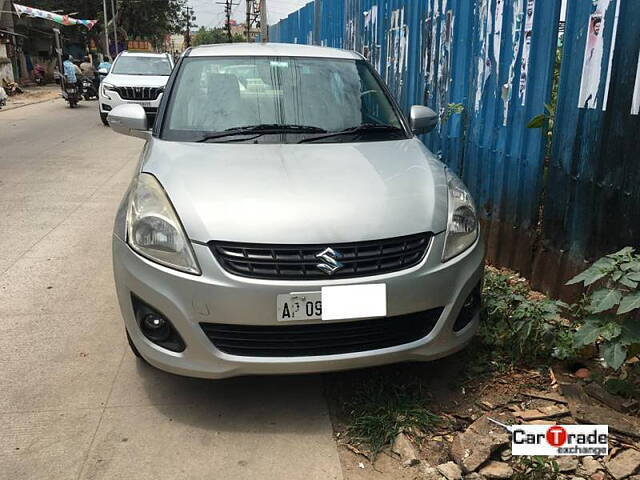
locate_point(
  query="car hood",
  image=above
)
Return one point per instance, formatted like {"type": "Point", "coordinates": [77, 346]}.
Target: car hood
{"type": "Point", "coordinates": [301, 193]}
{"type": "Point", "coordinates": [136, 80]}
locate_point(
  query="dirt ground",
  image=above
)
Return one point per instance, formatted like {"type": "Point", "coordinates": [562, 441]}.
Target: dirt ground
{"type": "Point", "coordinates": [32, 95]}
{"type": "Point", "coordinates": [461, 394]}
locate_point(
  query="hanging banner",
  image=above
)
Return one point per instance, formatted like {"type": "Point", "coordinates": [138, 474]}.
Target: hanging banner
{"type": "Point", "coordinates": [54, 17]}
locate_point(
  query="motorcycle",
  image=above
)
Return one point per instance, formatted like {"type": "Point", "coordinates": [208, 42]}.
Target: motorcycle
{"type": "Point", "coordinates": [71, 94]}
{"type": "Point", "coordinates": [39, 74]}
{"type": "Point", "coordinates": [89, 89]}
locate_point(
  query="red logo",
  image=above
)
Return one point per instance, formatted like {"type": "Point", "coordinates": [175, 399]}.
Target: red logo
{"type": "Point", "coordinates": [556, 436]}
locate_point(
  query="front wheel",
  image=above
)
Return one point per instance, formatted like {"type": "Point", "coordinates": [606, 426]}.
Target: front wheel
{"type": "Point", "coordinates": [103, 117]}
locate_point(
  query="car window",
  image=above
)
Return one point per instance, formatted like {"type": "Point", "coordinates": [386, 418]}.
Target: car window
{"type": "Point", "coordinates": [213, 94]}
{"type": "Point", "coordinates": [125, 65]}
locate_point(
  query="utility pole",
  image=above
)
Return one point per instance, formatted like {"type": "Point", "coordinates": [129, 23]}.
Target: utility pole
{"type": "Point", "coordinates": [115, 28]}
{"type": "Point", "coordinates": [187, 36]}
{"type": "Point", "coordinates": [264, 27]}
{"type": "Point", "coordinates": [227, 12]}
{"type": "Point", "coordinates": [248, 24]}
{"type": "Point", "coordinates": [106, 33]}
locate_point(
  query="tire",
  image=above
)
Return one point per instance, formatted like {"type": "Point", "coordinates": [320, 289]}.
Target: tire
{"type": "Point", "coordinates": [132, 346]}
{"type": "Point", "coordinates": [103, 117]}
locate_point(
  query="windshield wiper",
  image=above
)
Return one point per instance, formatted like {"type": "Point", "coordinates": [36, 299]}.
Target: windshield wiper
{"type": "Point", "coordinates": [263, 129]}
{"type": "Point", "coordinates": [359, 130]}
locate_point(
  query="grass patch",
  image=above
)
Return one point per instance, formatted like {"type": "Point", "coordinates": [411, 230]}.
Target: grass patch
{"type": "Point", "coordinates": [380, 408]}
{"type": "Point", "coordinates": [536, 468]}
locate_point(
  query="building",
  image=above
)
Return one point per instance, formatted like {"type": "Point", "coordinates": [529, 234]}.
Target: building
{"type": "Point", "coordinates": [7, 43]}
{"type": "Point", "coordinates": [241, 29]}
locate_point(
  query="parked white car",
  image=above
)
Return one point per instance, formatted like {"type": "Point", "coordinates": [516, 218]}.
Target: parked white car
{"type": "Point", "coordinates": [135, 77]}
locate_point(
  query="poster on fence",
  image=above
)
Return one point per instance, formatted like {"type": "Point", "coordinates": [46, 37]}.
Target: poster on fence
{"type": "Point", "coordinates": [592, 66]}
{"type": "Point", "coordinates": [635, 103]}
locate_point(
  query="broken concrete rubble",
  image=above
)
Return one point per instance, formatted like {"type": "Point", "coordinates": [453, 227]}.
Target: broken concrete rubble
{"type": "Point", "coordinates": [475, 445]}
{"type": "Point", "coordinates": [497, 470]}
{"type": "Point", "coordinates": [403, 447]}
{"type": "Point", "coordinates": [542, 412]}
{"type": "Point", "coordinates": [624, 464]}
{"type": "Point", "coordinates": [450, 471]}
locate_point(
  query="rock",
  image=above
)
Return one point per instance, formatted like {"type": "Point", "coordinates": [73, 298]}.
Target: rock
{"type": "Point", "coordinates": [431, 473]}
{"type": "Point", "coordinates": [567, 464]}
{"type": "Point", "coordinates": [473, 476]}
{"type": "Point", "coordinates": [475, 445]}
{"type": "Point", "coordinates": [403, 447]}
{"type": "Point", "coordinates": [542, 412]}
{"type": "Point", "coordinates": [450, 471]}
{"type": "Point", "coordinates": [505, 455]}
{"type": "Point", "coordinates": [624, 464]}
{"type": "Point", "coordinates": [499, 470]}
{"type": "Point", "coordinates": [582, 373]}
{"type": "Point", "coordinates": [598, 476]}
{"type": "Point", "coordinates": [590, 465]}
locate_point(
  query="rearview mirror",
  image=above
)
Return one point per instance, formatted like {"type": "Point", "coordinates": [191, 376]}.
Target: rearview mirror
{"type": "Point", "coordinates": [423, 119]}
{"type": "Point", "coordinates": [129, 119]}
{"type": "Point", "coordinates": [103, 71]}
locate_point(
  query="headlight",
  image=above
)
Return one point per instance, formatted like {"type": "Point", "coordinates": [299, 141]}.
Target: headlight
{"type": "Point", "coordinates": [462, 226]}
{"type": "Point", "coordinates": [108, 86]}
{"type": "Point", "coordinates": [153, 227]}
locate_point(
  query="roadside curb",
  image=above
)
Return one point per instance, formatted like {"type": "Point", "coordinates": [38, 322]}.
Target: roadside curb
{"type": "Point", "coordinates": [6, 108]}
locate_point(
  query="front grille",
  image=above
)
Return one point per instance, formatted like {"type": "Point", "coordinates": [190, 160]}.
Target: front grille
{"type": "Point", "coordinates": [328, 338]}
{"type": "Point", "coordinates": [300, 262]}
{"type": "Point", "coordinates": [139, 93]}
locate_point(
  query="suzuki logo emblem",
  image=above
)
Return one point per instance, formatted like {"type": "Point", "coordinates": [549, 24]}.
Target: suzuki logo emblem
{"type": "Point", "coordinates": [330, 263]}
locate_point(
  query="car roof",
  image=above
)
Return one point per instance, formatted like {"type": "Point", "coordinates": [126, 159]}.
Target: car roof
{"type": "Point", "coordinates": [127, 53]}
{"type": "Point", "coordinates": [270, 50]}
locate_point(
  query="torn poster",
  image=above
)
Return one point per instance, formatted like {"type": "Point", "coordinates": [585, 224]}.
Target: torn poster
{"type": "Point", "coordinates": [611, 51]}
{"type": "Point", "coordinates": [593, 53]}
{"type": "Point", "coordinates": [524, 65]}
{"type": "Point", "coordinates": [516, 27]}
{"type": "Point", "coordinates": [635, 103]}
{"type": "Point", "coordinates": [483, 60]}
{"type": "Point", "coordinates": [497, 32]}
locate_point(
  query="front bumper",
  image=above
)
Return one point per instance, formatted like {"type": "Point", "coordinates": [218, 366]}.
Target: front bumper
{"type": "Point", "coordinates": [219, 297]}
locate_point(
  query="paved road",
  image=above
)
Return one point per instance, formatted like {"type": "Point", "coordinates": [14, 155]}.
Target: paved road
{"type": "Point", "coordinates": [74, 402]}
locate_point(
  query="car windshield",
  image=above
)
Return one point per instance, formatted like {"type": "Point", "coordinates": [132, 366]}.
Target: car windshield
{"type": "Point", "coordinates": [268, 97]}
{"type": "Point", "coordinates": [159, 66]}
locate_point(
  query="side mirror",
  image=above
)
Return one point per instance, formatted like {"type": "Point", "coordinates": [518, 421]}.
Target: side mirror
{"type": "Point", "coordinates": [103, 71]}
{"type": "Point", "coordinates": [129, 119]}
{"type": "Point", "coordinates": [422, 119]}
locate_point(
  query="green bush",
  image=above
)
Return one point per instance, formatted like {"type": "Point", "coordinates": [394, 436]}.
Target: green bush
{"type": "Point", "coordinates": [609, 312]}
{"type": "Point", "coordinates": [519, 326]}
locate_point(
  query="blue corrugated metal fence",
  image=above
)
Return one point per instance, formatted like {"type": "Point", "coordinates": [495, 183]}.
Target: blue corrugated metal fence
{"type": "Point", "coordinates": [488, 67]}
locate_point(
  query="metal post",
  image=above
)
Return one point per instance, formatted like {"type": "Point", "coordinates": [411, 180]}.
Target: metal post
{"type": "Point", "coordinates": [106, 33]}
{"type": "Point", "coordinates": [115, 28]}
{"type": "Point", "coordinates": [56, 36]}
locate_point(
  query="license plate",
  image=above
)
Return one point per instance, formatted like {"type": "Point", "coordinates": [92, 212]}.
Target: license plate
{"type": "Point", "coordinates": [333, 303]}
{"type": "Point", "coordinates": [299, 306]}
{"type": "Point", "coordinates": [144, 104]}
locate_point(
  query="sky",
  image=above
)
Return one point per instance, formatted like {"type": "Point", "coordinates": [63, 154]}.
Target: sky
{"type": "Point", "coordinates": [210, 14]}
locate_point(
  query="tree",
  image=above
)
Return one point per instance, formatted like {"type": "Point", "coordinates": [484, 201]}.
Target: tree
{"type": "Point", "coordinates": [152, 19]}
{"type": "Point", "coordinates": [207, 36]}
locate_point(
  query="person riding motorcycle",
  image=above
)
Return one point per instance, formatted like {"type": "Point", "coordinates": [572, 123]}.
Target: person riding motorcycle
{"type": "Point", "coordinates": [90, 72]}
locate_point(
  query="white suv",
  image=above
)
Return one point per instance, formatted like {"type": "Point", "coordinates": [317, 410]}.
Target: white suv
{"type": "Point", "coordinates": [135, 78]}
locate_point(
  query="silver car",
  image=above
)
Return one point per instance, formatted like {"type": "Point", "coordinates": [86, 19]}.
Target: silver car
{"type": "Point", "coordinates": [285, 218]}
